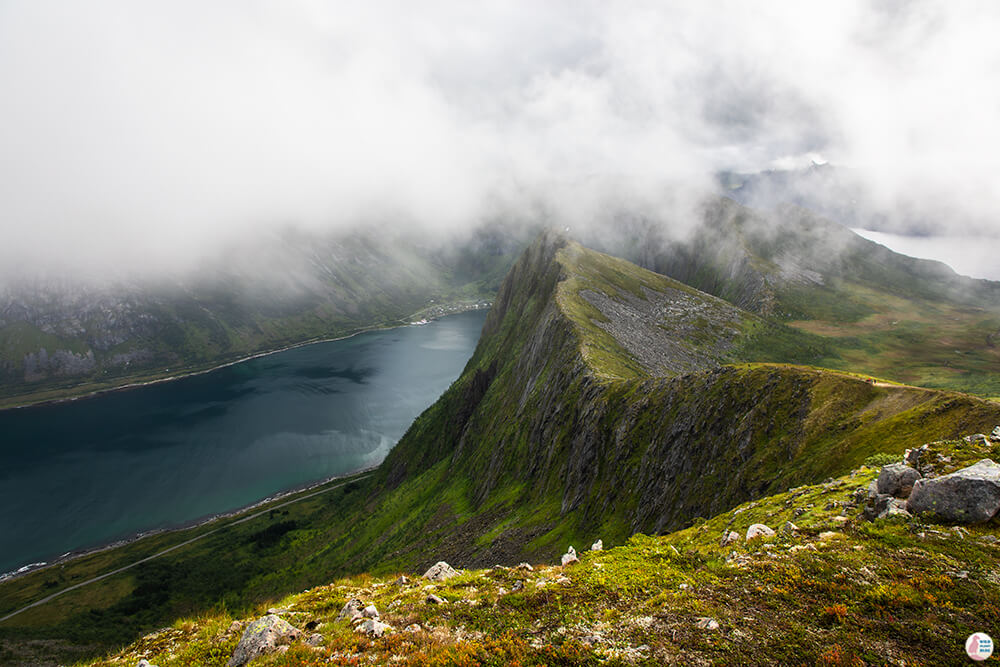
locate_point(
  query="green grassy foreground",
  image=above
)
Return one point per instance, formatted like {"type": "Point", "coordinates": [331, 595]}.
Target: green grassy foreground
{"type": "Point", "coordinates": [835, 591]}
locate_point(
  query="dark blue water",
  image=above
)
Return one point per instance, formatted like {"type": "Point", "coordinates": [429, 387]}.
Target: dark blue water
{"type": "Point", "coordinates": [80, 474]}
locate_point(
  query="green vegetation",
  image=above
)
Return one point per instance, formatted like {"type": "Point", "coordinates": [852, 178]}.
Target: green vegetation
{"type": "Point", "coordinates": [869, 309]}
{"type": "Point", "coordinates": [560, 430]}
{"type": "Point", "coordinates": [833, 590]}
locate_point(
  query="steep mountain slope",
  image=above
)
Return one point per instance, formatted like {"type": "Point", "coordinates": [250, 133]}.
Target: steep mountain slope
{"type": "Point", "coordinates": [557, 428]}
{"type": "Point", "coordinates": [65, 337]}
{"type": "Point", "coordinates": [602, 400]}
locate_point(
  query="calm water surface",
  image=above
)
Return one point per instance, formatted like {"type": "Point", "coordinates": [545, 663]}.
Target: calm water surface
{"type": "Point", "coordinates": [80, 474]}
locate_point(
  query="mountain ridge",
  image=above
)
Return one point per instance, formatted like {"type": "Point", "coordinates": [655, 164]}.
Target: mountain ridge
{"type": "Point", "coordinates": [554, 434]}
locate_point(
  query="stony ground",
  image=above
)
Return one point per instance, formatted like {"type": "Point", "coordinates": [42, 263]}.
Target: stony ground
{"type": "Point", "coordinates": [826, 587]}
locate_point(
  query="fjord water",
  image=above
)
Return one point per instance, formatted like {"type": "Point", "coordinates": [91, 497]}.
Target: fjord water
{"type": "Point", "coordinates": [79, 474]}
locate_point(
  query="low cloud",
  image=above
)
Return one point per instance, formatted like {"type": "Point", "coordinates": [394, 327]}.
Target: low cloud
{"type": "Point", "coordinates": [148, 135]}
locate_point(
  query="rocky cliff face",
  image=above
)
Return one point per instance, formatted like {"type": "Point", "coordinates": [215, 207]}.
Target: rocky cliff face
{"type": "Point", "coordinates": [605, 395]}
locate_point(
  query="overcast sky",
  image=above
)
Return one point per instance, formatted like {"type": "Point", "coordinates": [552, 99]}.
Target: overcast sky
{"type": "Point", "coordinates": [137, 133]}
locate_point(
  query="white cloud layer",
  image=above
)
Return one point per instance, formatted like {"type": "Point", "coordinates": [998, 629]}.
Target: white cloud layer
{"type": "Point", "coordinates": [138, 134]}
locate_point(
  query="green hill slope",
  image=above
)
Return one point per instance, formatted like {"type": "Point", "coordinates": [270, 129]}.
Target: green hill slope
{"type": "Point", "coordinates": [827, 589]}
{"type": "Point", "coordinates": [602, 400]}
{"type": "Point", "coordinates": [911, 320]}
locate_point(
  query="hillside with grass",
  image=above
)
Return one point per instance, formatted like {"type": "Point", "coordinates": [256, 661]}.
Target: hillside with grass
{"type": "Point", "coordinates": [828, 587]}
{"type": "Point", "coordinates": [911, 320]}
{"type": "Point", "coordinates": [603, 400]}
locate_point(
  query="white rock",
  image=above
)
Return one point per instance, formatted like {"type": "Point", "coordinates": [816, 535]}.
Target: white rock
{"type": "Point", "coordinates": [758, 530]}
{"type": "Point", "coordinates": [440, 571]}
{"type": "Point", "coordinates": [370, 612]}
{"type": "Point", "coordinates": [597, 546]}
{"type": "Point", "coordinates": [374, 627]}
{"type": "Point", "coordinates": [705, 623]}
{"type": "Point", "coordinates": [569, 557]}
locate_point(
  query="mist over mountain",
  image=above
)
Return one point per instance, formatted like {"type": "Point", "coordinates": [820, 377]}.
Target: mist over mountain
{"type": "Point", "coordinates": [145, 139]}
{"type": "Point", "coordinates": [687, 342]}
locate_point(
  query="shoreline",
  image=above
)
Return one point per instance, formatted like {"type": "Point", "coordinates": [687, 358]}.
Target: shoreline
{"type": "Point", "coordinates": [460, 308]}
{"type": "Point", "coordinates": [200, 522]}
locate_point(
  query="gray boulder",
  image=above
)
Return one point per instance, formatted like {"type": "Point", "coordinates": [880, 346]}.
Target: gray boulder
{"type": "Point", "coordinates": [883, 506]}
{"type": "Point", "coordinates": [995, 435]}
{"type": "Point", "coordinates": [352, 610]}
{"type": "Point", "coordinates": [969, 495]}
{"type": "Point", "coordinates": [912, 456]}
{"type": "Point", "coordinates": [897, 480]}
{"type": "Point", "coordinates": [897, 508]}
{"type": "Point", "coordinates": [263, 636]}
{"type": "Point", "coordinates": [374, 627]}
{"type": "Point", "coordinates": [440, 571]}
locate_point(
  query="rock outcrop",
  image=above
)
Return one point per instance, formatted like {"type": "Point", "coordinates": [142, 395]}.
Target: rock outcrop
{"type": "Point", "coordinates": [440, 571]}
{"type": "Point", "coordinates": [263, 636]}
{"type": "Point", "coordinates": [969, 495]}
{"type": "Point", "coordinates": [758, 530]}
{"type": "Point", "coordinates": [352, 610]}
{"type": "Point", "coordinates": [569, 557]}
{"type": "Point", "coordinates": [897, 480]}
